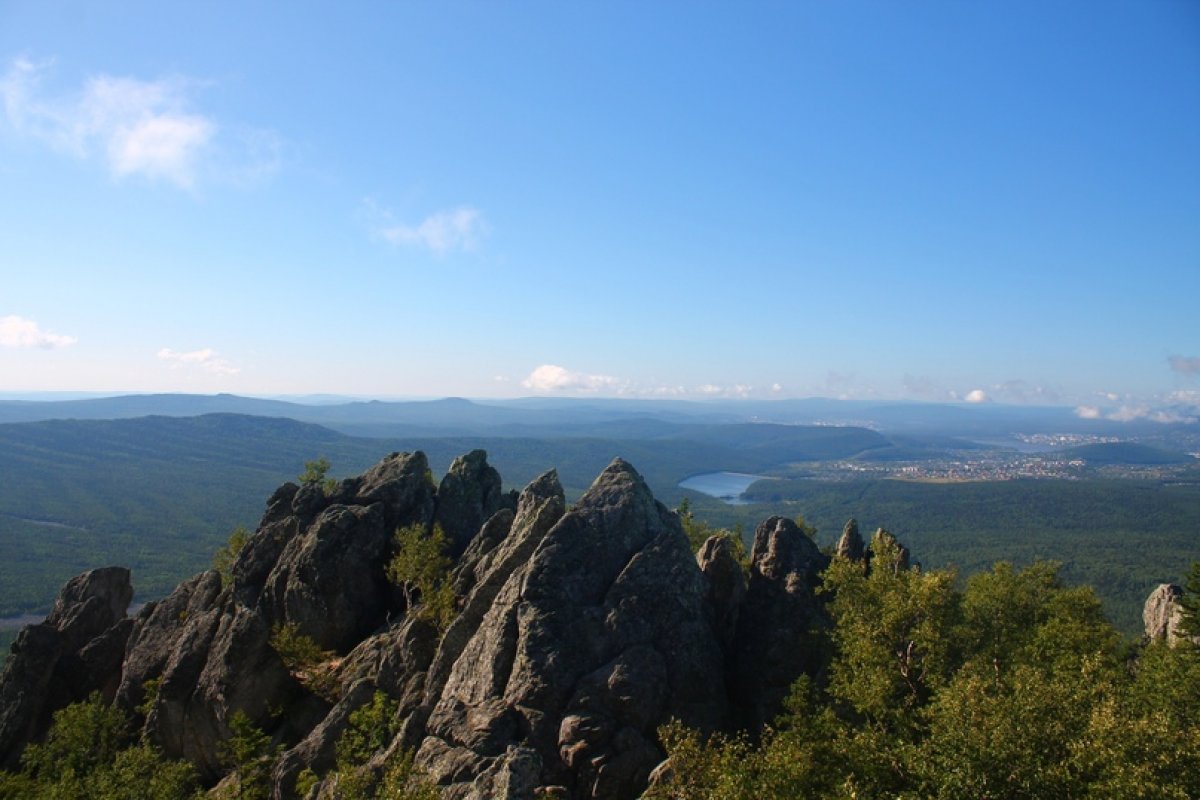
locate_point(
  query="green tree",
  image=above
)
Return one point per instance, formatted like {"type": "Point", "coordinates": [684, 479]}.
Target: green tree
{"type": "Point", "coordinates": [88, 755]}
{"type": "Point", "coordinates": [305, 660]}
{"type": "Point", "coordinates": [248, 752]}
{"type": "Point", "coordinates": [82, 737]}
{"type": "Point", "coordinates": [1189, 624]}
{"type": "Point", "coordinates": [372, 728]}
{"type": "Point", "coordinates": [893, 638]}
{"type": "Point", "coordinates": [315, 472]}
{"type": "Point", "coordinates": [226, 555]}
{"type": "Point", "coordinates": [421, 568]}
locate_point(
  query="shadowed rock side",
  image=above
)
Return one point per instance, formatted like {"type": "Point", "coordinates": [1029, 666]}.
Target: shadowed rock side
{"type": "Point", "coordinates": [77, 650]}
{"type": "Point", "coordinates": [726, 586]}
{"type": "Point", "coordinates": [775, 642]}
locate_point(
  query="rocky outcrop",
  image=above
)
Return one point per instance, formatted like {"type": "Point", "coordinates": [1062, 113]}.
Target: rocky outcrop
{"type": "Point", "coordinates": [1163, 614]}
{"type": "Point", "coordinates": [776, 639]}
{"type": "Point", "coordinates": [156, 632]}
{"type": "Point", "coordinates": [850, 545]}
{"type": "Point", "coordinates": [77, 650]}
{"type": "Point", "coordinates": [593, 640]}
{"type": "Point", "coordinates": [469, 494]}
{"type": "Point", "coordinates": [726, 586]}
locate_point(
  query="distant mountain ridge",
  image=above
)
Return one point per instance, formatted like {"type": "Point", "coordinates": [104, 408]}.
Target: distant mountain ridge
{"type": "Point", "coordinates": [571, 416]}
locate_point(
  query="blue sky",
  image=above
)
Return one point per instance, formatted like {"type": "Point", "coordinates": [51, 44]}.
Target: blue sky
{"type": "Point", "coordinates": [935, 201]}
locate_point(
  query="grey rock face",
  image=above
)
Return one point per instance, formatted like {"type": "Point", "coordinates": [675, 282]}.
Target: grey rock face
{"type": "Point", "coordinates": [77, 650]}
{"type": "Point", "coordinates": [1163, 613]}
{"type": "Point", "coordinates": [586, 646]}
{"type": "Point", "coordinates": [90, 604]}
{"type": "Point", "coordinates": [775, 644]}
{"type": "Point", "coordinates": [850, 545]}
{"type": "Point", "coordinates": [316, 562]}
{"type": "Point", "coordinates": [23, 689]}
{"type": "Point", "coordinates": [157, 630]}
{"type": "Point", "coordinates": [726, 586]}
{"type": "Point", "coordinates": [469, 494]}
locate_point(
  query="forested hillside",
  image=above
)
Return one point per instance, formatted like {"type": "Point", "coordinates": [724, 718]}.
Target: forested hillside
{"type": "Point", "coordinates": [161, 493]}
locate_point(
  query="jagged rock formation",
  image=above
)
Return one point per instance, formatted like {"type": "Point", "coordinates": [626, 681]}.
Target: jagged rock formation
{"type": "Point", "coordinates": [726, 586]}
{"type": "Point", "coordinates": [850, 546]}
{"type": "Point", "coordinates": [77, 650]}
{"type": "Point", "coordinates": [775, 642]}
{"type": "Point", "coordinates": [469, 494]}
{"type": "Point", "coordinates": [578, 633]}
{"type": "Point", "coordinates": [1163, 614]}
{"type": "Point", "coordinates": [589, 643]}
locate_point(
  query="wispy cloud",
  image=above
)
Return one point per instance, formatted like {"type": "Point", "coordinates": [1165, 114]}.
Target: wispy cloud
{"type": "Point", "coordinates": [144, 128]}
{"type": "Point", "coordinates": [20, 332]}
{"type": "Point", "coordinates": [206, 359]}
{"type": "Point", "coordinates": [455, 229]}
{"type": "Point", "coordinates": [1185, 365]}
{"type": "Point", "coordinates": [1177, 407]}
{"type": "Point", "coordinates": [552, 378]}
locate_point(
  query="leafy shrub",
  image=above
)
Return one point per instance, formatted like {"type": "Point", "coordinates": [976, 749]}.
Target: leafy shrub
{"type": "Point", "coordinates": [421, 569]}
{"type": "Point", "coordinates": [225, 556]}
{"type": "Point", "coordinates": [305, 660]}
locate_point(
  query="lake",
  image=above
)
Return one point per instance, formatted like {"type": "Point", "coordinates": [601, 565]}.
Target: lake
{"type": "Point", "coordinates": [727, 486]}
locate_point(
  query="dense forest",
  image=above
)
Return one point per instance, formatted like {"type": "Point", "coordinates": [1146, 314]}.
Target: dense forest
{"type": "Point", "coordinates": [1014, 687]}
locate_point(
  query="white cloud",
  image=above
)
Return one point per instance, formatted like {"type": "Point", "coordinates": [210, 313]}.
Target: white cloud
{"type": "Point", "coordinates": [443, 232]}
{"type": "Point", "coordinates": [1088, 412]}
{"type": "Point", "coordinates": [977, 396]}
{"type": "Point", "coordinates": [776, 388]}
{"type": "Point", "coordinates": [732, 390]}
{"type": "Point", "coordinates": [664, 391]}
{"type": "Point", "coordinates": [20, 332]}
{"type": "Point", "coordinates": [553, 378]}
{"type": "Point", "coordinates": [206, 358]}
{"type": "Point", "coordinates": [137, 127]}
{"type": "Point", "coordinates": [1186, 397]}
